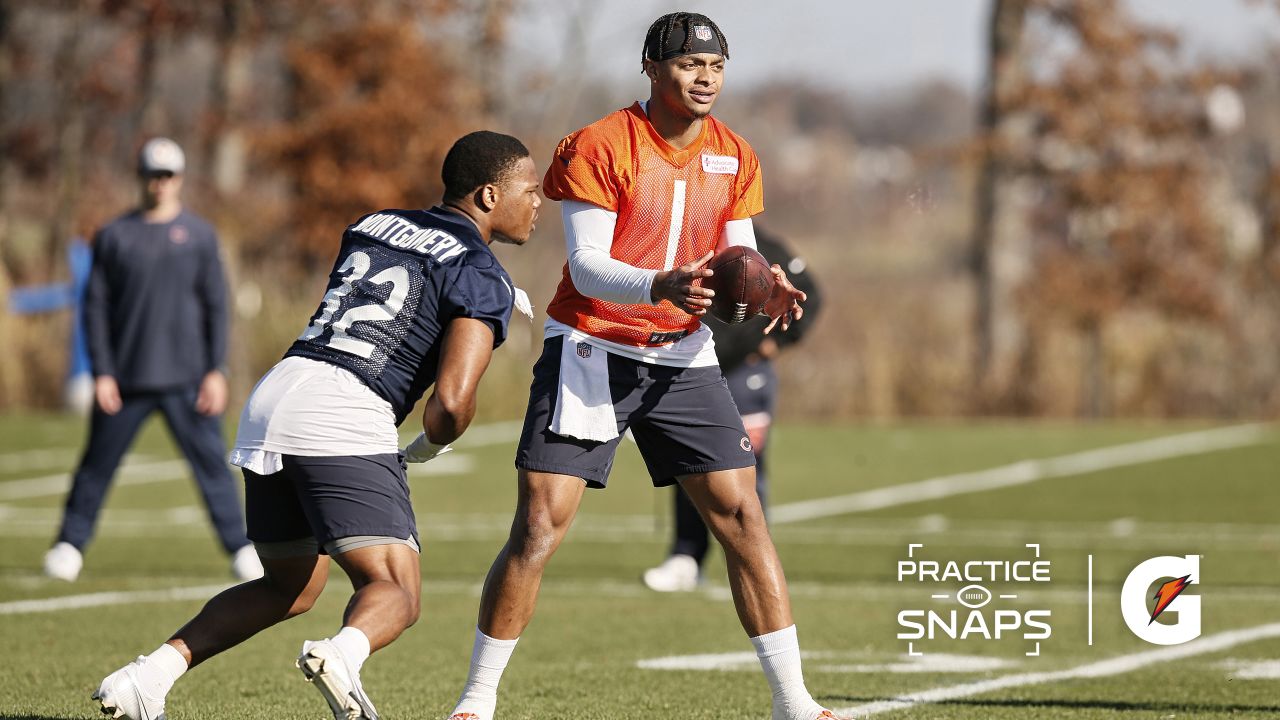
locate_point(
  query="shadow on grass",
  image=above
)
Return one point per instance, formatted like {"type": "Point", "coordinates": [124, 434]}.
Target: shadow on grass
{"type": "Point", "coordinates": [1193, 709]}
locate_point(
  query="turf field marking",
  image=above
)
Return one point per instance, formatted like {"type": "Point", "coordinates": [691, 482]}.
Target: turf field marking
{"type": "Point", "coordinates": [131, 473]}
{"type": "Point", "coordinates": [822, 662]}
{"type": "Point", "coordinates": [203, 592]}
{"type": "Point", "coordinates": [1251, 669]}
{"type": "Point", "coordinates": [36, 459]}
{"type": "Point", "coordinates": [498, 433]}
{"type": "Point", "coordinates": [141, 473]}
{"type": "Point", "coordinates": [864, 592]}
{"type": "Point", "coordinates": [76, 602]}
{"type": "Point", "coordinates": [1026, 471]}
{"type": "Point", "coordinates": [18, 521]}
{"type": "Point", "coordinates": [136, 471]}
{"type": "Point", "coordinates": [1103, 668]}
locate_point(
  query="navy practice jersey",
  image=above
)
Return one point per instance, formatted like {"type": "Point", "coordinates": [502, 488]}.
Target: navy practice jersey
{"type": "Point", "coordinates": [400, 277]}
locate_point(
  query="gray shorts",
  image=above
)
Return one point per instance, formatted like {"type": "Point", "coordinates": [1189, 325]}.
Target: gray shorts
{"type": "Point", "coordinates": [683, 420]}
{"type": "Point", "coordinates": [329, 504]}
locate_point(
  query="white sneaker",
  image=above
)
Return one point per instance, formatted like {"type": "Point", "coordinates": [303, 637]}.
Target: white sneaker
{"type": "Point", "coordinates": [122, 695]}
{"type": "Point", "coordinates": [323, 664]}
{"type": "Point", "coordinates": [678, 573]}
{"type": "Point", "coordinates": [816, 713]}
{"type": "Point", "coordinates": [245, 564]}
{"type": "Point", "coordinates": [63, 562]}
{"type": "Point", "coordinates": [474, 708]}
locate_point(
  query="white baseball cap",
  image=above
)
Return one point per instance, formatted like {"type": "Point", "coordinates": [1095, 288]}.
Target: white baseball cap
{"type": "Point", "coordinates": [161, 155]}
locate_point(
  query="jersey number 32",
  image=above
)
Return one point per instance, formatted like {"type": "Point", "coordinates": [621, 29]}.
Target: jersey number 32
{"type": "Point", "coordinates": [377, 312]}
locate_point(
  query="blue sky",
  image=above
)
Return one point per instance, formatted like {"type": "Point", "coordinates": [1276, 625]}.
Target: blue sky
{"type": "Point", "coordinates": [856, 45]}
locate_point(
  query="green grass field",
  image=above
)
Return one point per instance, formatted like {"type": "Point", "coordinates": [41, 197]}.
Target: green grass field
{"type": "Point", "coordinates": [596, 625]}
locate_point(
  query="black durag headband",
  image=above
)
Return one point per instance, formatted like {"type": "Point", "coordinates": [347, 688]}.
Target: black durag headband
{"type": "Point", "coordinates": [702, 39]}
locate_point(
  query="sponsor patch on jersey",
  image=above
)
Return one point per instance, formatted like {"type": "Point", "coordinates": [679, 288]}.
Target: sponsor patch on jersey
{"type": "Point", "coordinates": [720, 164]}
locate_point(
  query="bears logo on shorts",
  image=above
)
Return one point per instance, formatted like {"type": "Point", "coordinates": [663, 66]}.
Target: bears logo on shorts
{"type": "Point", "coordinates": [745, 443]}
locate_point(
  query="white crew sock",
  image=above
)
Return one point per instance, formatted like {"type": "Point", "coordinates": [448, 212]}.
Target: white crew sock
{"type": "Point", "coordinates": [354, 645]}
{"type": "Point", "coordinates": [779, 654]}
{"type": "Point", "coordinates": [489, 658]}
{"type": "Point", "coordinates": [162, 669]}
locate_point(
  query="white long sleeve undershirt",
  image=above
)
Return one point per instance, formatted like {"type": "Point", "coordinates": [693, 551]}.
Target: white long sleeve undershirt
{"type": "Point", "coordinates": [738, 232]}
{"type": "Point", "coordinates": [588, 235]}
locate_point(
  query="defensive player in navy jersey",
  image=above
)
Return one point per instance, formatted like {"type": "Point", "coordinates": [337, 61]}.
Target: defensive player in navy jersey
{"type": "Point", "coordinates": [416, 298]}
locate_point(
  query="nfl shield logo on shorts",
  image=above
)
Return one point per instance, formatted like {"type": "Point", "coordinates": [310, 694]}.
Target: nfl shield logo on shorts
{"type": "Point", "coordinates": [702, 32]}
{"type": "Point", "coordinates": [584, 350]}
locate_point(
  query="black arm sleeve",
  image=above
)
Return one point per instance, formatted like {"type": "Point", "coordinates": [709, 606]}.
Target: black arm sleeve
{"type": "Point", "coordinates": [734, 343]}
{"type": "Point", "coordinates": [798, 273]}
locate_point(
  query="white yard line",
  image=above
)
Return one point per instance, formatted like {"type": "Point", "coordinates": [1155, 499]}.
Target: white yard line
{"type": "Point", "coordinates": [17, 521]}
{"type": "Point", "coordinates": [1026, 471]}
{"type": "Point", "coordinates": [76, 602]}
{"type": "Point", "coordinates": [498, 433]}
{"type": "Point", "coordinates": [1103, 668]}
{"type": "Point", "coordinates": [130, 473]}
{"type": "Point", "coordinates": [139, 472]}
{"type": "Point", "coordinates": [716, 592]}
{"type": "Point", "coordinates": [561, 588]}
{"type": "Point", "coordinates": [35, 459]}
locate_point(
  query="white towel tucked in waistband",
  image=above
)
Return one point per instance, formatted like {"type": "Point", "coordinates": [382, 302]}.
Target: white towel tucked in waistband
{"type": "Point", "coordinates": [262, 462]}
{"type": "Point", "coordinates": [584, 406]}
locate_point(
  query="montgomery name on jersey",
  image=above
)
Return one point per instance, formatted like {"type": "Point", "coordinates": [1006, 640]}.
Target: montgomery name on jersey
{"type": "Point", "coordinates": [400, 277]}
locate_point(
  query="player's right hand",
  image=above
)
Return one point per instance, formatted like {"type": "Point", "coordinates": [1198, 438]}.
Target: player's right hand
{"type": "Point", "coordinates": [107, 394]}
{"type": "Point", "coordinates": [677, 286]}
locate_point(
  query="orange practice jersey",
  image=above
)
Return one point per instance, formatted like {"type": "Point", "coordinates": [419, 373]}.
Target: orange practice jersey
{"type": "Point", "coordinates": [671, 204]}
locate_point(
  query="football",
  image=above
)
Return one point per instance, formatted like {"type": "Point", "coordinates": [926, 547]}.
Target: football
{"type": "Point", "coordinates": [742, 283]}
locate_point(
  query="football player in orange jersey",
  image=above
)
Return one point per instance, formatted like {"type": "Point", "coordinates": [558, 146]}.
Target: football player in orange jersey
{"type": "Point", "coordinates": [647, 195]}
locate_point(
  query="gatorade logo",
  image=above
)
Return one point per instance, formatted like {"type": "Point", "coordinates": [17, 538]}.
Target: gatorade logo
{"type": "Point", "coordinates": [1175, 575]}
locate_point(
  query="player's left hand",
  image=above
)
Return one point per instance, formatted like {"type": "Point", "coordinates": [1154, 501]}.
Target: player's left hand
{"type": "Point", "coordinates": [422, 449]}
{"type": "Point", "coordinates": [212, 398]}
{"type": "Point", "coordinates": [783, 304]}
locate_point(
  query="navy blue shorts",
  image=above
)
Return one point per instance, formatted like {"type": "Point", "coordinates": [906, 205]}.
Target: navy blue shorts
{"type": "Point", "coordinates": [330, 498]}
{"type": "Point", "coordinates": [683, 420]}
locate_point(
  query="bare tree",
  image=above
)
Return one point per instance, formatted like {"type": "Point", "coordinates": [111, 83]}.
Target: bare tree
{"type": "Point", "coordinates": [1000, 140]}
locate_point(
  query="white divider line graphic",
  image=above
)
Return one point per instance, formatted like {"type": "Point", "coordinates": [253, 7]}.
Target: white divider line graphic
{"type": "Point", "coordinates": [1103, 668]}
{"type": "Point", "coordinates": [1026, 471]}
{"type": "Point", "coordinates": [1089, 593]}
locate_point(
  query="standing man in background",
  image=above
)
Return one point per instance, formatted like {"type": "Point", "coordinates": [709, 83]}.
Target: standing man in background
{"type": "Point", "coordinates": [746, 358]}
{"type": "Point", "coordinates": [155, 314]}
